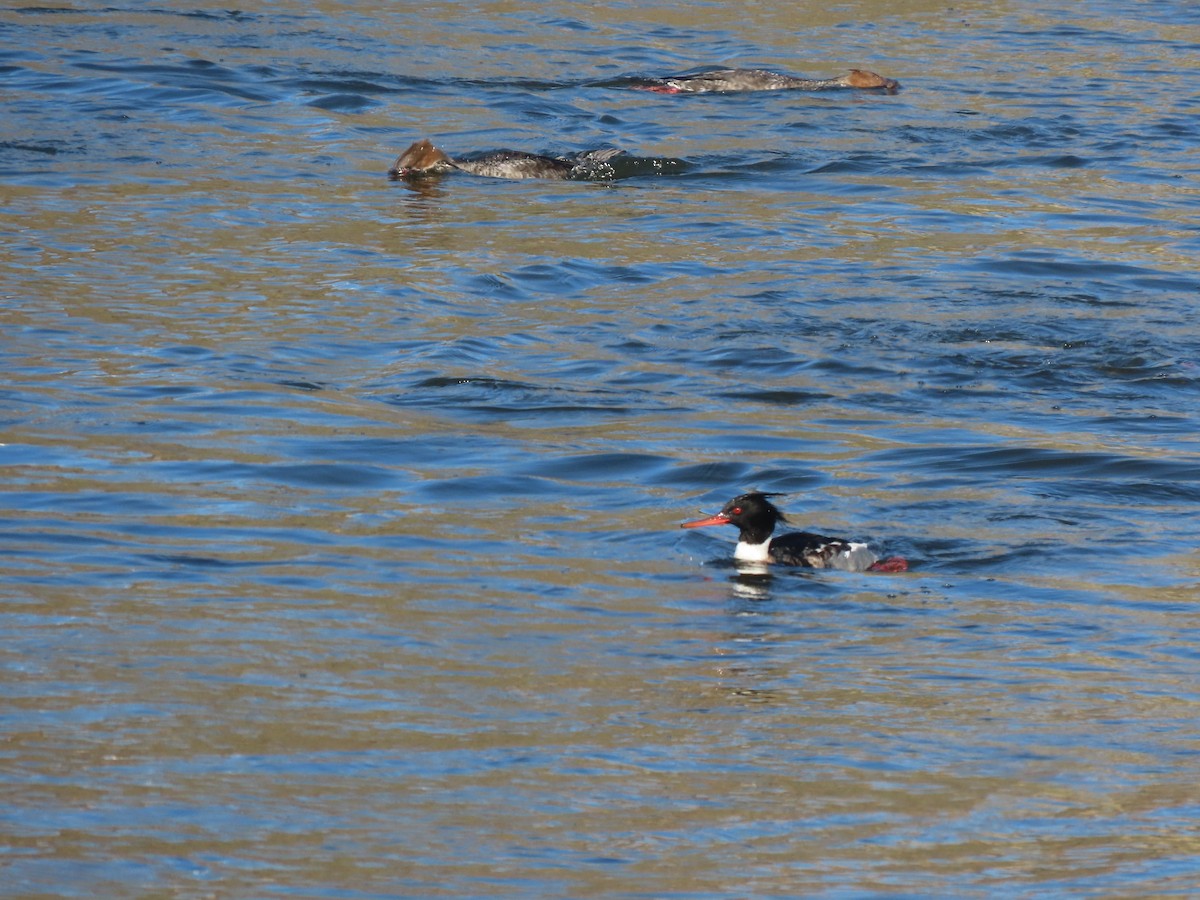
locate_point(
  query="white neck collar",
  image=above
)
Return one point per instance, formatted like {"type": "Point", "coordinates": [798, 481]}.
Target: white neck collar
{"type": "Point", "coordinates": [753, 552]}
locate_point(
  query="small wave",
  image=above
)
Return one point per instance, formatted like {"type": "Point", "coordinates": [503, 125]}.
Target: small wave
{"type": "Point", "coordinates": [1036, 461]}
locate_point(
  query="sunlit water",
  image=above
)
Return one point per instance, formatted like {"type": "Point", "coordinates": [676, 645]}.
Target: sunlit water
{"type": "Point", "coordinates": [340, 514]}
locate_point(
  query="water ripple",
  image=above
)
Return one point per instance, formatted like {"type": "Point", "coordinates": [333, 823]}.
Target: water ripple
{"type": "Point", "coordinates": [340, 526]}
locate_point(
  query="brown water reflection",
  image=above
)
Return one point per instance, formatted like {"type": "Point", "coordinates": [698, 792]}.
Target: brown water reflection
{"type": "Point", "coordinates": [339, 520]}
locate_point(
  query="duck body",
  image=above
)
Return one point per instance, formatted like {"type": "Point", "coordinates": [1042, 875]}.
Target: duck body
{"type": "Point", "coordinates": [423, 158]}
{"type": "Point", "coordinates": [755, 517]}
{"type": "Point", "coordinates": [726, 80]}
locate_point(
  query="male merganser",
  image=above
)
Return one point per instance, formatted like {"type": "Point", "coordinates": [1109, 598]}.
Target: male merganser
{"type": "Point", "coordinates": [762, 80]}
{"type": "Point", "coordinates": [423, 158]}
{"type": "Point", "coordinates": [756, 516]}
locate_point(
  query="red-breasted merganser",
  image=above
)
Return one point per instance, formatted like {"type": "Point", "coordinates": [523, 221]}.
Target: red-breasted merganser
{"type": "Point", "coordinates": [756, 516]}
{"type": "Point", "coordinates": [423, 158]}
{"type": "Point", "coordinates": [762, 80]}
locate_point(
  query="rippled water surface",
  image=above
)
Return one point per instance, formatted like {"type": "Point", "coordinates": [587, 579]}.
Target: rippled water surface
{"type": "Point", "coordinates": [339, 514]}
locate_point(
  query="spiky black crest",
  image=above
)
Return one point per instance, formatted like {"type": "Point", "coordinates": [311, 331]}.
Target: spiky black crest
{"type": "Point", "coordinates": [759, 497]}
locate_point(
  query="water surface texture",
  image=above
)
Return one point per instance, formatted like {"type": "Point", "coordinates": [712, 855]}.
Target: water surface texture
{"type": "Point", "coordinates": [339, 525]}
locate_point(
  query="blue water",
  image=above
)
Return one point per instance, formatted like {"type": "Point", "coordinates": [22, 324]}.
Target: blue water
{"type": "Point", "coordinates": [340, 515]}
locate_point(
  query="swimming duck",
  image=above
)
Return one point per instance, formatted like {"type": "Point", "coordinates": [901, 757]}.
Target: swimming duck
{"type": "Point", "coordinates": [755, 517]}
{"type": "Point", "coordinates": [423, 158]}
{"type": "Point", "coordinates": [721, 80]}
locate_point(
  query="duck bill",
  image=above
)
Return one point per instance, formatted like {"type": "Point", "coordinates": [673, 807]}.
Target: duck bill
{"type": "Point", "coordinates": [718, 519]}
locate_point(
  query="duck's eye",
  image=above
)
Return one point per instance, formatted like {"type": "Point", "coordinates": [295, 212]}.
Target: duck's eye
{"type": "Point", "coordinates": [736, 511]}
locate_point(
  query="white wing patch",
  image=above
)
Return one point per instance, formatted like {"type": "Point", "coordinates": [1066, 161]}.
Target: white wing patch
{"type": "Point", "coordinates": [855, 558]}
